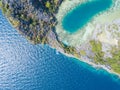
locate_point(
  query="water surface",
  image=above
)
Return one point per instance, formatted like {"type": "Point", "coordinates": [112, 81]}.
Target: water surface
{"type": "Point", "coordinates": [83, 13]}
{"type": "Point", "coordinates": [35, 67]}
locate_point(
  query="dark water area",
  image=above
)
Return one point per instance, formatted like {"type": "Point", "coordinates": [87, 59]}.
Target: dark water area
{"type": "Point", "coordinates": [24, 66]}
{"type": "Point", "coordinates": [83, 13]}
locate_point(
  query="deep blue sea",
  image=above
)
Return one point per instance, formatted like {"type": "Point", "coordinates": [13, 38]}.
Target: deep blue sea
{"type": "Point", "coordinates": [83, 13]}
{"type": "Point", "coordinates": [24, 66]}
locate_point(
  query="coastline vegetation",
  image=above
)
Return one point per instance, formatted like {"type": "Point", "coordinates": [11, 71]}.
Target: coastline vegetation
{"type": "Point", "coordinates": [0, 3]}
{"type": "Point", "coordinates": [5, 9]}
{"type": "Point", "coordinates": [33, 18]}
{"type": "Point", "coordinates": [97, 50]}
{"type": "Point", "coordinates": [14, 22]}
{"type": "Point", "coordinates": [82, 52]}
{"type": "Point", "coordinates": [70, 50]}
{"type": "Point", "coordinates": [114, 62]}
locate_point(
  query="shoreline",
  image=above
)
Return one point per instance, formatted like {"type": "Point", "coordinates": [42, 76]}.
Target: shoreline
{"type": "Point", "coordinates": [85, 60]}
{"type": "Point", "coordinates": [93, 65]}
{"type": "Point", "coordinates": [63, 9]}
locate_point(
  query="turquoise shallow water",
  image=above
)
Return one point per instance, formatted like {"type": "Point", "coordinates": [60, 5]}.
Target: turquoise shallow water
{"type": "Point", "coordinates": [24, 66]}
{"type": "Point", "coordinates": [82, 14]}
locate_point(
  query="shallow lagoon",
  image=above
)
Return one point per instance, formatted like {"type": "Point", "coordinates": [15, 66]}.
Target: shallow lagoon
{"type": "Point", "coordinates": [82, 14]}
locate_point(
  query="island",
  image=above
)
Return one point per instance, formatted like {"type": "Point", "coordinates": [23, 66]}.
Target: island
{"type": "Point", "coordinates": [40, 22]}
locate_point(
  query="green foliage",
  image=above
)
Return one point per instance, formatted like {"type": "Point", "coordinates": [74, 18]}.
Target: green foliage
{"type": "Point", "coordinates": [14, 22]}
{"type": "Point", "coordinates": [56, 1]}
{"type": "Point", "coordinates": [82, 52]}
{"type": "Point", "coordinates": [97, 50]}
{"type": "Point", "coordinates": [69, 49]}
{"type": "Point", "coordinates": [0, 3]}
{"type": "Point", "coordinates": [96, 46]}
{"type": "Point", "coordinates": [114, 62]}
{"type": "Point", "coordinates": [47, 4]}
{"type": "Point", "coordinates": [8, 12]}
{"type": "Point", "coordinates": [22, 16]}
{"type": "Point", "coordinates": [4, 10]}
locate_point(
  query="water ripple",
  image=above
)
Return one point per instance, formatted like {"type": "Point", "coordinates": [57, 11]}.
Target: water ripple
{"type": "Point", "coordinates": [35, 67]}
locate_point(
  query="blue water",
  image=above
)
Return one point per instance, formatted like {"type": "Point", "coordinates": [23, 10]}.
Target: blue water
{"type": "Point", "coordinates": [83, 13]}
{"type": "Point", "coordinates": [35, 67]}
